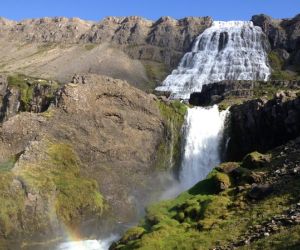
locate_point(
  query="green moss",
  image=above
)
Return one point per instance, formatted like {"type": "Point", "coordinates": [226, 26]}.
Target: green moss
{"type": "Point", "coordinates": [277, 65]}
{"type": "Point", "coordinates": [203, 217]}
{"type": "Point", "coordinates": [90, 46]}
{"type": "Point", "coordinates": [8, 165]}
{"type": "Point", "coordinates": [61, 173]}
{"type": "Point", "coordinates": [275, 61]}
{"type": "Point", "coordinates": [26, 86]}
{"type": "Point", "coordinates": [222, 181]}
{"type": "Point", "coordinates": [156, 73]}
{"type": "Point", "coordinates": [285, 239]}
{"type": "Point", "coordinates": [283, 75]}
{"type": "Point", "coordinates": [169, 151]}
{"type": "Point", "coordinates": [11, 203]}
{"type": "Point", "coordinates": [256, 160]}
{"type": "Point", "coordinates": [133, 234]}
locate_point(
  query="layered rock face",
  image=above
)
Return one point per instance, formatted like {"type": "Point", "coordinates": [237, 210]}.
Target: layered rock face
{"type": "Point", "coordinates": [217, 92]}
{"type": "Point", "coordinates": [100, 141]}
{"type": "Point", "coordinates": [283, 35]}
{"type": "Point", "coordinates": [262, 125]}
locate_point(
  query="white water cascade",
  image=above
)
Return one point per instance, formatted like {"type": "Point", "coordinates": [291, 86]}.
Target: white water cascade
{"type": "Point", "coordinates": [203, 133]}
{"type": "Point", "coordinates": [233, 50]}
{"type": "Point", "coordinates": [88, 244]}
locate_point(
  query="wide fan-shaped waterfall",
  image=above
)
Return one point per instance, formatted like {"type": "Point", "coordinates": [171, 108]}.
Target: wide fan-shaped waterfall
{"type": "Point", "coordinates": [234, 50]}
{"type": "Point", "coordinates": [203, 133]}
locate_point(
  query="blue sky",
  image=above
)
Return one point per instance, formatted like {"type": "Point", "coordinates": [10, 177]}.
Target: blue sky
{"type": "Point", "coordinates": [152, 9]}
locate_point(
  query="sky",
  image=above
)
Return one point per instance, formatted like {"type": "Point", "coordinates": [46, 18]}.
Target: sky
{"type": "Point", "coordinates": [151, 9]}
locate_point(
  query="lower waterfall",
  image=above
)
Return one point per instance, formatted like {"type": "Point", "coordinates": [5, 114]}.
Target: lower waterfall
{"type": "Point", "coordinates": [88, 244]}
{"type": "Point", "coordinates": [203, 134]}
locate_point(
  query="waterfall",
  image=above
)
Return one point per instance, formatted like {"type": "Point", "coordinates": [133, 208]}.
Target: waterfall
{"type": "Point", "coordinates": [88, 244]}
{"type": "Point", "coordinates": [203, 132]}
{"type": "Point", "coordinates": [234, 50]}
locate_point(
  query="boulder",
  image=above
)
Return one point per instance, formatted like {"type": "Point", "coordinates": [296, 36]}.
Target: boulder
{"type": "Point", "coordinates": [259, 192]}
{"type": "Point", "coordinates": [256, 160]}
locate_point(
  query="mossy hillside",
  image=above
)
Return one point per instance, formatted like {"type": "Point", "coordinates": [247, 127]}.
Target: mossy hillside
{"type": "Point", "coordinates": [11, 204]}
{"type": "Point", "coordinates": [205, 217]}
{"type": "Point", "coordinates": [26, 85]}
{"type": "Point", "coordinates": [169, 151]}
{"type": "Point", "coordinates": [278, 69]}
{"type": "Point", "coordinates": [60, 172]}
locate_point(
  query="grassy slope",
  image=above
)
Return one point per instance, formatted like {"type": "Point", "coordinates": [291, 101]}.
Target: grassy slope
{"type": "Point", "coordinates": [206, 216]}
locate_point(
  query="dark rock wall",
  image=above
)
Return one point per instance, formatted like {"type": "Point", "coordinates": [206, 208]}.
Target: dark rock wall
{"type": "Point", "coordinates": [262, 125]}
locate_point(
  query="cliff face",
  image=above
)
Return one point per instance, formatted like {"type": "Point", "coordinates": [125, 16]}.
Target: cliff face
{"type": "Point", "coordinates": [93, 154]}
{"type": "Point", "coordinates": [58, 48]}
{"type": "Point", "coordinates": [283, 36]}
{"type": "Point", "coordinates": [19, 94]}
{"type": "Point", "coordinates": [262, 125]}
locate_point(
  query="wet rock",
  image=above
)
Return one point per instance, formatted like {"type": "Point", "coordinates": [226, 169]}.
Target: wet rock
{"type": "Point", "coordinates": [259, 192]}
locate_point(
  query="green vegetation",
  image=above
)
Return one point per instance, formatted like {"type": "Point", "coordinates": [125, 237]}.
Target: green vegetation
{"type": "Point", "coordinates": [55, 179]}
{"type": "Point", "coordinates": [206, 216]}
{"type": "Point", "coordinates": [278, 72]}
{"type": "Point", "coordinates": [156, 72]}
{"type": "Point", "coordinates": [90, 46]}
{"type": "Point", "coordinates": [229, 101]}
{"type": "Point", "coordinates": [26, 87]}
{"type": "Point", "coordinates": [60, 173]}
{"type": "Point", "coordinates": [266, 90]}
{"type": "Point", "coordinates": [11, 203]}
{"type": "Point", "coordinates": [8, 164]}
{"type": "Point", "coordinates": [256, 160]}
{"type": "Point", "coordinates": [169, 151]}
{"type": "Point", "coordinates": [285, 239]}
{"type": "Point", "coordinates": [276, 62]}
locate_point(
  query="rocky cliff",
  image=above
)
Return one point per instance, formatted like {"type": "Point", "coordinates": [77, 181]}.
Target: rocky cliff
{"type": "Point", "coordinates": [285, 42]}
{"type": "Point", "coordinates": [262, 125]}
{"type": "Point", "coordinates": [227, 93]}
{"type": "Point", "coordinates": [20, 93]}
{"type": "Point", "coordinates": [94, 153]}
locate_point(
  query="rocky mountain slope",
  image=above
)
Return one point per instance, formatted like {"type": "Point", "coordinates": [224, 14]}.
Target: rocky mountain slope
{"type": "Point", "coordinates": [93, 155]}
{"type": "Point", "coordinates": [131, 48]}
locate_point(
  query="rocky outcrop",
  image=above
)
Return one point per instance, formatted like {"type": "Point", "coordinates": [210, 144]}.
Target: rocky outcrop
{"type": "Point", "coordinates": [109, 134]}
{"type": "Point", "coordinates": [262, 125]}
{"type": "Point", "coordinates": [21, 94]}
{"type": "Point", "coordinates": [9, 100]}
{"type": "Point", "coordinates": [284, 35]}
{"type": "Point", "coordinates": [217, 92]}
